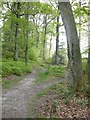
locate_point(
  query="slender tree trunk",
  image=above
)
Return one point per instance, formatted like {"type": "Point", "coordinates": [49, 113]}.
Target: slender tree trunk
{"type": "Point", "coordinates": [26, 40]}
{"type": "Point", "coordinates": [11, 36]}
{"type": "Point", "coordinates": [57, 40]}
{"type": "Point", "coordinates": [72, 43]}
{"type": "Point", "coordinates": [16, 32]}
{"type": "Point", "coordinates": [50, 46]}
{"type": "Point", "coordinates": [37, 41]}
{"type": "Point", "coordinates": [44, 45]}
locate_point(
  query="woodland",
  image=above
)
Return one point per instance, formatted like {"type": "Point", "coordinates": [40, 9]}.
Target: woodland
{"type": "Point", "coordinates": [45, 46]}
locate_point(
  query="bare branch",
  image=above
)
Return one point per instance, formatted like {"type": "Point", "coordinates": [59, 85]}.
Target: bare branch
{"type": "Point", "coordinates": [52, 4]}
{"type": "Point", "coordinates": [51, 20]}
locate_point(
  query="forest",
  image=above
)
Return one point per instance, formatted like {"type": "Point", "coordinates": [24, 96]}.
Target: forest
{"type": "Point", "coordinates": [45, 59]}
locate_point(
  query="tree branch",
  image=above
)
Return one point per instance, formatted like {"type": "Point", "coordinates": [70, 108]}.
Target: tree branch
{"type": "Point", "coordinates": [51, 20]}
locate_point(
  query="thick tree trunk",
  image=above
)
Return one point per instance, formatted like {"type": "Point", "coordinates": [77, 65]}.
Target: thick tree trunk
{"type": "Point", "coordinates": [89, 51]}
{"type": "Point", "coordinates": [44, 44]}
{"type": "Point", "coordinates": [16, 32]}
{"type": "Point", "coordinates": [89, 64]}
{"type": "Point", "coordinates": [57, 41]}
{"type": "Point", "coordinates": [80, 23]}
{"type": "Point", "coordinates": [72, 43]}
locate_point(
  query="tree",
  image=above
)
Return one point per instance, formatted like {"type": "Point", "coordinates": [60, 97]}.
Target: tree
{"type": "Point", "coordinates": [27, 32]}
{"type": "Point", "coordinates": [57, 40]}
{"type": "Point", "coordinates": [50, 45]}
{"type": "Point", "coordinates": [79, 23]}
{"type": "Point", "coordinates": [17, 6]}
{"type": "Point", "coordinates": [74, 55]}
{"type": "Point", "coordinates": [45, 30]}
{"type": "Point", "coordinates": [89, 48]}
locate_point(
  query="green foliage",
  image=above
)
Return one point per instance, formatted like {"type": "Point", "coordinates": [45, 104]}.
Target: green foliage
{"type": "Point", "coordinates": [8, 83]}
{"type": "Point", "coordinates": [80, 11]}
{"type": "Point", "coordinates": [61, 89]}
{"type": "Point", "coordinates": [62, 55]}
{"type": "Point", "coordinates": [84, 64]}
{"type": "Point", "coordinates": [46, 8]}
{"type": "Point", "coordinates": [13, 33]}
{"type": "Point", "coordinates": [42, 93]}
{"type": "Point", "coordinates": [42, 76]}
{"type": "Point", "coordinates": [33, 54]}
{"type": "Point", "coordinates": [10, 67]}
{"type": "Point", "coordinates": [56, 70]}
{"type": "Point", "coordinates": [54, 105]}
{"type": "Point", "coordinates": [65, 93]}
{"type": "Point", "coordinates": [82, 101]}
{"type": "Point", "coordinates": [47, 71]}
{"type": "Point", "coordinates": [12, 71]}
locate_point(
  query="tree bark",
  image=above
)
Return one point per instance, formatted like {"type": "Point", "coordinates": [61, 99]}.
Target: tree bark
{"type": "Point", "coordinates": [11, 36]}
{"type": "Point", "coordinates": [26, 40]}
{"type": "Point", "coordinates": [89, 52]}
{"type": "Point", "coordinates": [37, 41]}
{"type": "Point", "coordinates": [80, 23]}
{"type": "Point", "coordinates": [50, 46]}
{"type": "Point", "coordinates": [57, 40]}
{"type": "Point", "coordinates": [16, 32]}
{"type": "Point", "coordinates": [44, 45]}
{"type": "Point", "coordinates": [72, 43]}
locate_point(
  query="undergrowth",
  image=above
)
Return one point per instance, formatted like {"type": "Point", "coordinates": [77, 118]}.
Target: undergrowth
{"type": "Point", "coordinates": [65, 92]}
{"type": "Point", "coordinates": [58, 99]}
{"type": "Point", "coordinates": [9, 82]}
{"type": "Point", "coordinates": [47, 71]}
{"type": "Point", "coordinates": [10, 67]}
{"type": "Point", "coordinates": [13, 71]}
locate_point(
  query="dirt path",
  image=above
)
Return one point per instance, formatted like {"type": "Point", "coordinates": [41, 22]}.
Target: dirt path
{"type": "Point", "coordinates": [15, 101]}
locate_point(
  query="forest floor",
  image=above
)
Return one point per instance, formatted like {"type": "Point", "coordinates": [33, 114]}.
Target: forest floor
{"type": "Point", "coordinates": [40, 94]}
{"type": "Point", "coordinates": [15, 101]}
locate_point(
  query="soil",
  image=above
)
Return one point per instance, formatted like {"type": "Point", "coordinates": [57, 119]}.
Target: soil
{"type": "Point", "coordinates": [15, 101]}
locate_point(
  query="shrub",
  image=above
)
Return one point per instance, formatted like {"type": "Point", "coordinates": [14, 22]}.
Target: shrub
{"type": "Point", "coordinates": [56, 70]}
{"type": "Point", "coordinates": [11, 67]}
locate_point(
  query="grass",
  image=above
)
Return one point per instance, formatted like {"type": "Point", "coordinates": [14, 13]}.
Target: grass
{"type": "Point", "coordinates": [48, 71]}
{"type": "Point", "coordinates": [9, 83]}
{"type": "Point", "coordinates": [42, 93]}
{"type": "Point", "coordinates": [13, 71]}
{"type": "Point", "coordinates": [59, 88]}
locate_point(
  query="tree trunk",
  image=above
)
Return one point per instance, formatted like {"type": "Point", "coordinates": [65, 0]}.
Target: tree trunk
{"type": "Point", "coordinates": [44, 45]}
{"type": "Point", "coordinates": [26, 40]}
{"type": "Point", "coordinates": [50, 46]}
{"type": "Point", "coordinates": [72, 43]}
{"type": "Point", "coordinates": [16, 32]}
{"type": "Point", "coordinates": [11, 36]}
{"type": "Point", "coordinates": [80, 23]}
{"type": "Point", "coordinates": [57, 40]}
{"type": "Point", "coordinates": [37, 41]}
{"type": "Point", "coordinates": [89, 52]}
{"type": "Point", "coordinates": [89, 64]}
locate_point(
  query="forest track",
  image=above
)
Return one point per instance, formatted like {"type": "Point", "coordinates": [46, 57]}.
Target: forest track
{"type": "Point", "coordinates": [15, 101]}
